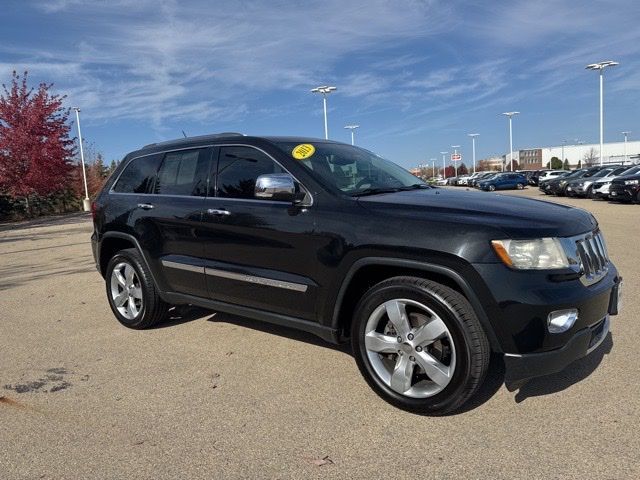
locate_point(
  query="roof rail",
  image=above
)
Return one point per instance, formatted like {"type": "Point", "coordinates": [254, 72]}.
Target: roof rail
{"type": "Point", "coordinates": [213, 135]}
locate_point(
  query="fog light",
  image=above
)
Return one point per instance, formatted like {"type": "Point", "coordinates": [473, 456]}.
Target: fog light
{"type": "Point", "coordinates": [560, 321]}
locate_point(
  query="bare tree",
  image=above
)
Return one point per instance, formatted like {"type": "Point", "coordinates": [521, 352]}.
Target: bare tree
{"type": "Point", "coordinates": [591, 158]}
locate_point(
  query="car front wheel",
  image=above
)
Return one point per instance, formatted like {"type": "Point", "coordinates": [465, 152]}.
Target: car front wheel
{"type": "Point", "coordinates": [491, 188]}
{"type": "Point", "coordinates": [419, 345]}
{"type": "Point", "coordinates": [519, 186]}
{"type": "Point", "coordinates": [132, 295]}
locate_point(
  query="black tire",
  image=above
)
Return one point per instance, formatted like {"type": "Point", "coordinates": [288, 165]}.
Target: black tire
{"type": "Point", "coordinates": [519, 186]}
{"type": "Point", "coordinates": [472, 350]}
{"type": "Point", "coordinates": [153, 309]}
{"type": "Point", "coordinates": [491, 188]}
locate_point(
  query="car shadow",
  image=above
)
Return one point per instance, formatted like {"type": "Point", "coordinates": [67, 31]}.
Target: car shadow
{"type": "Point", "coordinates": [279, 330]}
{"type": "Point", "coordinates": [572, 374]}
{"type": "Point", "coordinates": [495, 379]}
{"type": "Point", "coordinates": [188, 313]}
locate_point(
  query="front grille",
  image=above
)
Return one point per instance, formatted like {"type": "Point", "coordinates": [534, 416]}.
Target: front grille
{"type": "Point", "coordinates": [594, 260]}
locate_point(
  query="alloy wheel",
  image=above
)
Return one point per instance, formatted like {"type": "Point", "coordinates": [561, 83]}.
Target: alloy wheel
{"type": "Point", "coordinates": [410, 348]}
{"type": "Point", "coordinates": [126, 292]}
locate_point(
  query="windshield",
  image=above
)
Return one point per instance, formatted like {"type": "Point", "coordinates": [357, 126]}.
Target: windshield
{"type": "Point", "coordinates": [603, 173]}
{"type": "Point", "coordinates": [631, 171]}
{"type": "Point", "coordinates": [353, 170]}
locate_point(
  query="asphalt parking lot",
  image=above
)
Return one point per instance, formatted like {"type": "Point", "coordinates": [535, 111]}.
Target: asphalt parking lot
{"type": "Point", "coordinates": [215, 396]}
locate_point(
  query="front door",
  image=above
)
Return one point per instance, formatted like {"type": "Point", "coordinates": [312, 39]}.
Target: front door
{"type": "Point", "coordinates": [258, 253]}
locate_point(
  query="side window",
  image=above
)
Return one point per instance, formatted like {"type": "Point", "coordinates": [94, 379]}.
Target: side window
{"type": "Point", "coordinates": [138, 176]}
{"type": "Point", "coordinates": [239, 168]}
{"type": "Point", "coordinates": [183, 173]}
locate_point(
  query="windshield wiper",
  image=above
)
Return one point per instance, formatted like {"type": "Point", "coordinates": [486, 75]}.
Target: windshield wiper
{"type": "Point", "coordinates": [415, 186]}
{"type": "Point", "coordinates": [376, 191]}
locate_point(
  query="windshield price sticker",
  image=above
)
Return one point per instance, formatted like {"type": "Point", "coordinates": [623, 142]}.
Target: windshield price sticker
{"type": "Point", "coordinates": [302, 151]}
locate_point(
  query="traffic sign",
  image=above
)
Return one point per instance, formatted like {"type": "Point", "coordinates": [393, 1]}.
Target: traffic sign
{"type": "Point", "coordinates": [456, 157]}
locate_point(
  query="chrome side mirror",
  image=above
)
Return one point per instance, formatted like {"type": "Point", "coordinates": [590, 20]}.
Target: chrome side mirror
{"type": "Point", "coordinates": [275, 186]}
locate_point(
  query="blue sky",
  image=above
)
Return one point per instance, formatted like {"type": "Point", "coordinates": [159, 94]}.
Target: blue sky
{"type": "Point", "coordinates": [418, 76]}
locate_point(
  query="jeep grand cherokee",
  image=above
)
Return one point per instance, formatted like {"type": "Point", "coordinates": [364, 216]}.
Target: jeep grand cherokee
{"type": "Point", "coordinates": [330, 238]}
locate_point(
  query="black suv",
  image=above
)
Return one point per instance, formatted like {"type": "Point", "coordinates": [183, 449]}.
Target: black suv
{"type": "Point", "coordinates": [332, 239]}
{"type": "Point", "coordinates": [625, 188]}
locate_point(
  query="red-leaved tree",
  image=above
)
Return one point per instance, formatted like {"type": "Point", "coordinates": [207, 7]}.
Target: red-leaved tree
{"type": "Point", "coordinates": [35, 148]}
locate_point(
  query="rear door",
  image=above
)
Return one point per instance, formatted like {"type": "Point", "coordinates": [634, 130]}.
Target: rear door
{"type": "Point", "coordinates": [173, 219]}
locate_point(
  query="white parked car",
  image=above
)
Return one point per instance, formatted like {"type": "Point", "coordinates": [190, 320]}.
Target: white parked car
{"type": "Point", "coordinates": [600, 188]}
{"type": "Point", "coordinates": [550, 175]}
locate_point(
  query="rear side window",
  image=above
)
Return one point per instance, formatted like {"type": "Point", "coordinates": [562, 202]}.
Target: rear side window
{"type": "Point", "coordinates": [239, 168]}
{"type": "Point", "coordinates": [138, 175]}
{"type": "Point", "coordinates": [183, 173]}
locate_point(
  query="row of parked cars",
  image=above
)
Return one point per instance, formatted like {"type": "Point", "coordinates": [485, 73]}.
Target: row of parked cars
{"type": "Point", "coordinates": [612, 182]}
{"type": "Point", "coordinates": [489, 181]}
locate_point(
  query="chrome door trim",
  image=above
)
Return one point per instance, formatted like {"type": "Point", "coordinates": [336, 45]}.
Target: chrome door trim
{"type": "Point", "coordinates": [269, 282]}
{"type": "Point", "coordinates": [182, 266]}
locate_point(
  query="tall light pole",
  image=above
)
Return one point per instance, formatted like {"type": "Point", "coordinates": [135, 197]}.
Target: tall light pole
{"type": "Point", "coordinates": [455, 152]}
{"type": "Point", "coordinates": [444, 165]}
{"type": "Point", "coordinates": [352, 128]}
{"type": "Point", "coordinates": [510, 115]}
{"type": "Point", "coordinates": [324, 90]}
{"type": "Point", "coordinates": [86, 203]}
{"type": "Point", "coordinates": [564, 142]}
{"type": "Point", "coordinates": [600, 66]}
{"type": "Point", "coordinates": [473, 146]}
{"type": "Point", "coordinates": [433, 168]}
{"type": "Point", "coordinates": [626, 134]}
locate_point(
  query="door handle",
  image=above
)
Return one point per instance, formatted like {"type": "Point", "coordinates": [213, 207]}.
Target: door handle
{"type": "Point", "coordinates": [145, 206]}
{"type": "Point", "coordinates": [219, 212]}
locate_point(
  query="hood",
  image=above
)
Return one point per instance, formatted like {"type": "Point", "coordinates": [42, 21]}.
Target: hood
{"type": "Point", "coordinates": [517, 217]}
{"type": "Point", "coordinates": [622, 179]}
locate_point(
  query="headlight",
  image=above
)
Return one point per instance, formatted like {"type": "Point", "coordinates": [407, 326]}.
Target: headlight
{"type": "Point", "coordinates": [538, 254]}
{"type": "Point", "coordinates": [631, 182]}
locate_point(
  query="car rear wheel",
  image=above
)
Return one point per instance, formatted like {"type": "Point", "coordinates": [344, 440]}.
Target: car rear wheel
{"type": "Point", "coordinates": [419, 345]}
{"type": "Point", "coordinates": [132, 295]}
{"type": "Point", "coordinates": [519, 186]}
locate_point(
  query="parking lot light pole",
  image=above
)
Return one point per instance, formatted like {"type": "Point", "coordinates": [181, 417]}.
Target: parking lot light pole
{"type": "Point", "coordinates": [444, 165]}
{"type": "Point", "coordinates": [86, 203]}
{"type": "Point", "coordinates": [600, 66]}
{"type": "Point", "coordinates": [510, 115]}
{"type": "Point", "coordinates": [324, 90]}
{"type": "Point", "coordinates": [626, 134]}
{"type": "Point", "coordinates": [433, 168]}
{"type": "Point", "coordinates": [473, 146]}
{"type": "Point", "coordinates": [352, 128]}
{"type": "Point", "coordinates": [455, 152]}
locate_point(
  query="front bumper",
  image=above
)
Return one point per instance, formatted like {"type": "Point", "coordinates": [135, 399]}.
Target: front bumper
{"type": "Point", "coordinates": [623, 192]}
{"type": "Point", "coordinates": [578, 190]}
{"type": "Point", "coordinates": [523, 367]}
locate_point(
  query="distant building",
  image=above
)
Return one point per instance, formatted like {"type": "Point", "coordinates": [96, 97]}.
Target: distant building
{"type": "Point", "coordinates": [530, 159]}
{"type": "Point", "coordinates": [537, 158]}
{"type": "Point", "coordinates": [492, 163]}
{"type": "Point", "coordinates": [612, 153]}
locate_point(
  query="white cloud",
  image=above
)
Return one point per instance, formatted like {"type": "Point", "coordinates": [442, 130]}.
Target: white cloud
{"type": "Point", "coordinates": [154, 60]}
